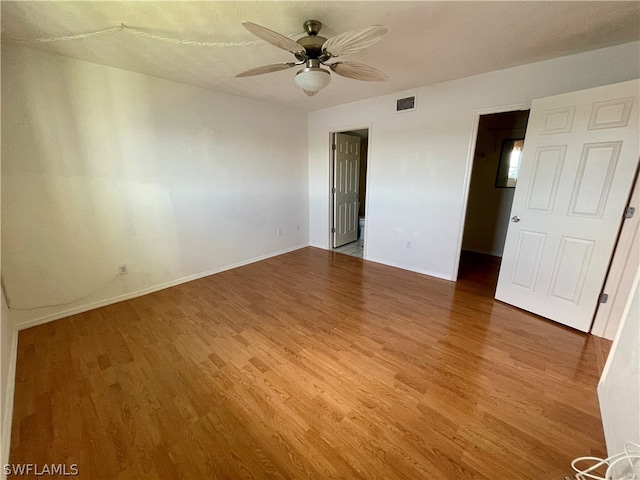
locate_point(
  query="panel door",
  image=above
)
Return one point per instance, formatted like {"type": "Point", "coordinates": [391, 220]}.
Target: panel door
{"type": "Point", "coordinates": [580, 155]}
{"type": "Point", "coordinates": [346, 168]}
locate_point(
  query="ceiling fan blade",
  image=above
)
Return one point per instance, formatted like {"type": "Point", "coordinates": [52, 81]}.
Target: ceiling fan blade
{"type": "Point", "coordinates": [274, 38]}
{"type": "Point", "coordinates": [353, 41]}
{"type": "Point", "coordinates": [266, 69]}
{"type": "Point", "coordinates": [358, 71]}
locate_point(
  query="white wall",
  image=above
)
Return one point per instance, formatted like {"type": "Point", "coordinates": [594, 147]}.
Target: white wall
{"type": "Point", "coordinates": [419, 161]}
{"type": "Point", "coordinates": [102, 167]}
{"type": "Point", "coordinates": [619, 387]}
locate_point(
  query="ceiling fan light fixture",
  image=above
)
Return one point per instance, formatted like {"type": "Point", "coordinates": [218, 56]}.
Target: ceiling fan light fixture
{"type": "Point", "coordinates": [313, 79]}
{"type": "Point", "coordinates": [313, 51]}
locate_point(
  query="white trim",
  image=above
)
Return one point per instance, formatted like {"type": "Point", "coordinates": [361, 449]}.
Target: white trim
{"type": "Point", "coordinates": [397, 265]}
{"type": "Point", "coordinates": [469, 168]}
{"type": "Point", "coordinates": [127, 296]}
{"type": "Point", "coordinates": [412, 269]}
{"type": "Point", "coordinates": [332, 133]}
{"type": "Point", "coordinates": [5, 435]}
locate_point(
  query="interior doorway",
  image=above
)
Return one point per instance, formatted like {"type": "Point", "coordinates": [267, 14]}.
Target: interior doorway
{"type": "Point", "coordinates": [494, 174]}
{"type": "Point", "coordinates": [348, 187]}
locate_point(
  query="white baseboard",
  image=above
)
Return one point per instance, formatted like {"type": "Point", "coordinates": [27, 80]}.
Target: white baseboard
{"type": "Point", "coordinates": [397, 265]}
{"type": "Point", "coordinates": [5, 435]}
{"type": "Point", "coordinates": [127, 296]}
{"type": "Point", "coordinates": [412, 269]}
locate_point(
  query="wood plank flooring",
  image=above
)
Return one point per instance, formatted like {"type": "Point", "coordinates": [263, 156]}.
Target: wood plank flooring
{"type": "Point", "coordinates": [310, 365]}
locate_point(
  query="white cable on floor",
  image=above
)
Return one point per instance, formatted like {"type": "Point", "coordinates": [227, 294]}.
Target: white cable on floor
{"type": "Point", "coordinates": [631, 454]}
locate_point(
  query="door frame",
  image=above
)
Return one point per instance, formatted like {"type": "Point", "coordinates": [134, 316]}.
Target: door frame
{"type": "Point", "coordinates": [469, 168]}
{"type": "Point", "coordinates": [619, 278]}
{"type": "Point", "coordinates": [332, 132]}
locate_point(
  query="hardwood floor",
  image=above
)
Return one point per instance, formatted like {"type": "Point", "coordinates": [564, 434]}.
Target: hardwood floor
{"type": "Point", "coordinates": [308, 365]}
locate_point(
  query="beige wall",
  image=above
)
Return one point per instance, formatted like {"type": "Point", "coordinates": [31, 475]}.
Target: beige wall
{"type": "Point", "coordinates": [102, 167]}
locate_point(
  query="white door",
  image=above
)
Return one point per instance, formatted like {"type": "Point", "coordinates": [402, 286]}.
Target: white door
{"type": "Point", "coordinates": [580, 156]}
{"type": "Point", "coordinates": [346, 167]}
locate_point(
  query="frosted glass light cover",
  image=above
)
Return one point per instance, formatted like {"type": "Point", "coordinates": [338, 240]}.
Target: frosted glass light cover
{"type": "Point", "coordinates": [313, 79]}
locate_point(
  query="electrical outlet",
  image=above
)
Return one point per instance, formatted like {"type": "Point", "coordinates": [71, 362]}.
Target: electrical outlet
{"type": "Point", "coordinates": [122, 269]}
{"type": "Point", "coordinates": [279, 232]}
{"type": "Point", "coordinates": [409, 244]}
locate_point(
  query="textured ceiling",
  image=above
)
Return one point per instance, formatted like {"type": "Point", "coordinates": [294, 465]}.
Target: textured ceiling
{"type": "Point", "coordinates": [427, 42]}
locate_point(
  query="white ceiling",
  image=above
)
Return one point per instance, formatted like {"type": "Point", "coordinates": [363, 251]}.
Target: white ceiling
{"type": "Point", "coordinates": [427, 42]}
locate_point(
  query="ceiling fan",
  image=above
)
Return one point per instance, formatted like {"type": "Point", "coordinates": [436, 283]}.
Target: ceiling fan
{"type": "Point", "coordinates": [313, 51]}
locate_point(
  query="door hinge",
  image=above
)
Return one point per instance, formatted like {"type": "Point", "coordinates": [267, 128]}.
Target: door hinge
{"type": "Point", "coordinates": [628, 212]}
{"type": "Point", "coordinates": [333, 190]}
{"type": "Point", "coordinates": [334, 147]}
{"type": "Point", "coordinates": [333, 230]}
{"type": "Point", "coordinates": [604, 298]}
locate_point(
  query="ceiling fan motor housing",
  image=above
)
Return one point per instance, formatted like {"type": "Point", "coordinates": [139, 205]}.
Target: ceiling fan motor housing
{"type": "Point", "coordinates": [312, 42]}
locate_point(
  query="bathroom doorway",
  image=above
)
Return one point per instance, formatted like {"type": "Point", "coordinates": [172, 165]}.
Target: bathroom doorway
{"type": "Point", "coordinates": [348, 187]}
{"type": "Point", "coordinates": [494, 172]}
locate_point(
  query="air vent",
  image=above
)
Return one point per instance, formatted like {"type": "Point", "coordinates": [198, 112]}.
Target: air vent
{"type": "Point", "coordinates": [406, 104]}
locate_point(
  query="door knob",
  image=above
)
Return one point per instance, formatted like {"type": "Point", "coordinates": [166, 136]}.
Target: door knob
{"type": "Point", "coordinates": [515, 219]}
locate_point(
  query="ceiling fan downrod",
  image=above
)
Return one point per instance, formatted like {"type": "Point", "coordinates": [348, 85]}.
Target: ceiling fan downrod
{"type": "Point", "coordinates": [312, 42]}
{"type": "Point", "coordinates": [312, 27]}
